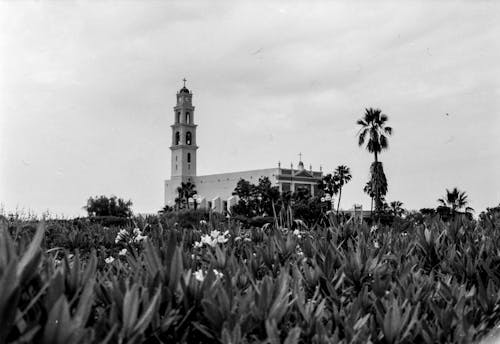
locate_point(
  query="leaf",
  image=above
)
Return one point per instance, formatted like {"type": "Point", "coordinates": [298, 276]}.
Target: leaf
{"type": "Point", "coordinates": [130, 309]}
{"type": "Point", "coordinates": [293, 336]}
{"type": "Point", "coordinates": [58, 329]}
{"type": "Point", "coordinates": [84, 304]}
{"type": "Point", "coordinates": [146, 317]}
{"type": "Point", "coordinates": [29, 262]}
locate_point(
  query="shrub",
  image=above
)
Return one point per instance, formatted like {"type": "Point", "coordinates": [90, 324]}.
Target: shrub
{"type": "Point", "coordinates": [214, 282]}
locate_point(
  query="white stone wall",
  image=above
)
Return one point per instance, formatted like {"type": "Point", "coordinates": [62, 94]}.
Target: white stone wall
{"type": "Point", "coordinates": [222, 185]}
{"type": "Point", "coordinates": [218, 185]}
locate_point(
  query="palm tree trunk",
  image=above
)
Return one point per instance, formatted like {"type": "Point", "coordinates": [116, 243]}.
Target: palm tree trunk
{"type": "Point", "coordinates": [371, 208]}
{"type": "Point", "coordinates": [338, 203]}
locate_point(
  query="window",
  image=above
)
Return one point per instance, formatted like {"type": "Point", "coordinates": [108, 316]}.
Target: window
{"type": "Point", "coordinates": [176, 158]}
{"type": "Point", "coordinates": [177, 138]}
{"type": "Point", "coordinates": [178, 117]}
{"type": "Point", "coordinates": [176, 167]}
{"type": "Point", "coordinates": [188, 118]}
{"type": "Point", "coordinates": [189, 166]}
{"type": "Point", "coordinates": [189, 157]}
{"type": "Point", "coordinates": [188, 138]}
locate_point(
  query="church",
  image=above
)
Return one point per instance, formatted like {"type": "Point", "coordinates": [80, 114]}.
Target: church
{"type": "Point", "coordinates": [215, 191]}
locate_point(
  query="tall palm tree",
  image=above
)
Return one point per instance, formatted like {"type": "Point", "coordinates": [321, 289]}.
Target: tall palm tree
{"type": "Point", "coordinates": [373, 127]}
{"type": "Point", "coordinates": [374, 132]}
{"type": "Point", "coordinates": [455, 200]}
{"type": "Point", "coordinates": [343, 176]}
{"type": "Point", "coordinates": [186, 191]}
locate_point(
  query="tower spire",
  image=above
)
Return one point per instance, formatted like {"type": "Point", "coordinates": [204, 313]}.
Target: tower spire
{"type": "Point", "coordinates": [184, 80]}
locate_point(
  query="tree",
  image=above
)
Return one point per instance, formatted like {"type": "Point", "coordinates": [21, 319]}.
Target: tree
{"type": "Point", "coordinates": [255, 200]}
{"type": "Point", "coordinates": [396, 208]}
{"type": "Point", "coordinates": [329, 185]}
{"type": "Point", "coordinates": [166, 209]}
{"type": "Point", "coordinates": [454, 201]}
{"type": "Point", "coordinates": [378, 184]}
{"type": "Point", "coordinates": [185, 192]}
{"type": "Point", "coordinates": [374, 132]}
{"type": "Point", "coordinates": [108, 206]}
{"type": "Point", "coordinates": [342, 176]}
{"type": "Point", "coordinates": [267, 195]}
{"type": "Point", "coordinates": [368, 189]}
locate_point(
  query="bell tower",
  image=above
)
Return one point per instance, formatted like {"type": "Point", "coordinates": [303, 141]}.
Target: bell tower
{"type": "Point", "coordinates": [183, 164]}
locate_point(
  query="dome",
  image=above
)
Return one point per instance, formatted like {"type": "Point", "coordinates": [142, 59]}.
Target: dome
{"type": "Point", "coordinates": [184, 90]}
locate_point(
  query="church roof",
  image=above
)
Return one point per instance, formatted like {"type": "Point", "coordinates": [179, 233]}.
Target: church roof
{"type": "Point", "coordinates": [302, 173]}
{"type": "Point", "coordinates": [184, 90]}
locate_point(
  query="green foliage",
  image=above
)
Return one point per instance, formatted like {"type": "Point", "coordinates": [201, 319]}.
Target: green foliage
{"type": "Point", "coordinates": [255, 200]}
{"type": "Point", "coordinates": [108, 206]}
{"type": "Point", "coordinates": [435, 282]}
{"type": "Point", "coordinates": [185, 191]}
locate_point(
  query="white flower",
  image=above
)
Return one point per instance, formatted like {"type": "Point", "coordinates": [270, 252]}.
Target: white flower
{"type": "Point", "coordinates": [137, 231]}
{"type": "Point", "coordinates": [123, 252]}
{"type": "Point", "coordinates": [215, 234]}
{"type": "Point", "coordinates": [203, 222]}
{"type": "Point", "coordinates": [199, 275]}
{"type": "Point", "coordinates": [247, 239]}
{"type": "Point", "coordinates": [218, 274]}
{"type": "Point", "coordinates": [206, 239]}
{"type": "Point", "coordinates": [197, 244]}
{"type": "Point", "coordinates": [373, 229]}
{"type": "Point", "coordinates": [376, 244]}
{"type": "Point", "coordinates": [109, 260]}
{"type": "Point", "coordinates": [221, 239]}
{"type": "Point", "coordinates": [122, 234]}
{"type": "Point", "coordinates": [140, 238]}
{"type": "Point", "coordinates": [296, 232]}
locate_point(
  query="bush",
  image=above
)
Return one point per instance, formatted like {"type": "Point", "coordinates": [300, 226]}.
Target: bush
{"type": "Point", "coordinates": [108, 206]}
{"type": "Point", "coordinates": [186, 218]}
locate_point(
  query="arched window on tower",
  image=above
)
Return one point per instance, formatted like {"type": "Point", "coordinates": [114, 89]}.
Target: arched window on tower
{"type": "Point", "coordinates": [177, 138]}
{"type": "Point", "coordinates": [189, 157]}
{"type": "Point", "coordinates": [178, 117]}
{"type": "Point", "coordinates": [188, 118]}
{"type": "Point", "coordinates": [188, 138]}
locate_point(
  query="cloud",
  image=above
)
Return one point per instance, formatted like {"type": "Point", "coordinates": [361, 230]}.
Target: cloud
{"type": "Point", "coordinates": [87, 90]}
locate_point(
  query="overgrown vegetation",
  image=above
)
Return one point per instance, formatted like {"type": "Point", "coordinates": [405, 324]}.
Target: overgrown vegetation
{"type": "Point", "coordinates": [155, 282]}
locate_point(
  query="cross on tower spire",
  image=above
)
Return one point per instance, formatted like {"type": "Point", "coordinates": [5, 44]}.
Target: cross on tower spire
{"type": "Point", "coordinates": [184, 81]}
{"type": "Point", "coordinates": [300, 156]}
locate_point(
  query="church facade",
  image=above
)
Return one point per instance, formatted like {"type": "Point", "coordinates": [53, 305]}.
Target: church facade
{"type": "Point", "coordinates": [215, 190]}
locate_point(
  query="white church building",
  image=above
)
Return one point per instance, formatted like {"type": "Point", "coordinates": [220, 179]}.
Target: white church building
{"type": "Point", "coordinates": [215, 190]}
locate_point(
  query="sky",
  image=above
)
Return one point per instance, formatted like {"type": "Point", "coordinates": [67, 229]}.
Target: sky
{"type": "Point", "coordinates": [87, 91]}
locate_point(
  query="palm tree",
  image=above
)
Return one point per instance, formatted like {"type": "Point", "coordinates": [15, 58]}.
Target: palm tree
{"type": "Point", "coordinates": [378, 184]}
{"type": "Point", "coordinates": [373, 126]}
{"type": "Point", "coordinates": [455, 200]}
{"type": "Point", "coordinates": [397, 208]}
{"type": "Point", "coordinates": [342, 174]}
{"type": "Point", "coordinates": [374, 132]}
{"type": "Point", "coordinates": [369, 191]}
{"type": "Point", "coordinates": [186, 191]}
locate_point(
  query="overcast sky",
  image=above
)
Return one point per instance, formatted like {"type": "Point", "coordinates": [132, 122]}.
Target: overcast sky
{"type": "Point", "coordinates": [87, 90]}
